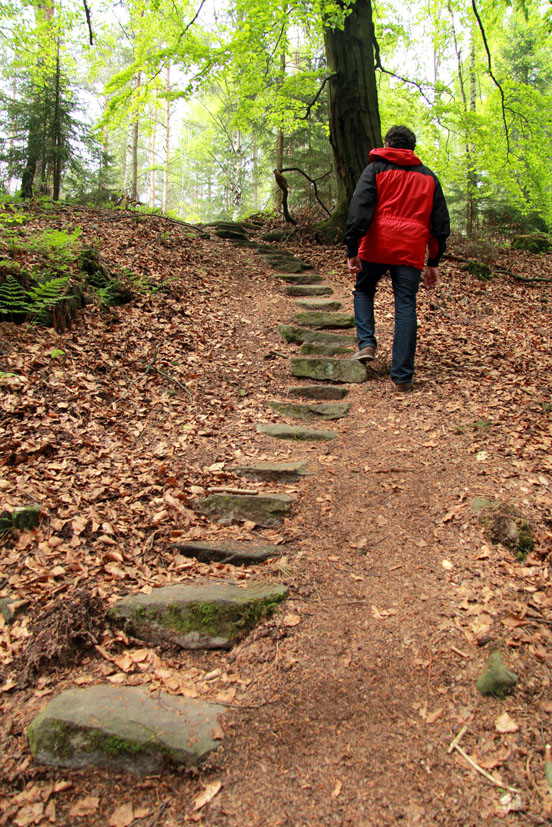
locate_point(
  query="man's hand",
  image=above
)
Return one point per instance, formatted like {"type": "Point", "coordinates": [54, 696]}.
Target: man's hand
{"type": "Point", "coordinates": [354, 265]}
{"type": "Point", "coordinates": [431, 277]}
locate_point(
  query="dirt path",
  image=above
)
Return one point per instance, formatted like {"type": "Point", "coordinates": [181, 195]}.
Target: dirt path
{"type": "Point", "coordinates": [342, 707]}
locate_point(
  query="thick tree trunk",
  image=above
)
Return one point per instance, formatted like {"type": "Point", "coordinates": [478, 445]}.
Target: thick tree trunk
{"type": "Point", "coordinates": [355, 126]}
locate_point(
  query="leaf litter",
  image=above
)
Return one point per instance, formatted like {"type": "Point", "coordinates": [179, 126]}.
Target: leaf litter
{"type": "Point", "coordinates": [115, 454]}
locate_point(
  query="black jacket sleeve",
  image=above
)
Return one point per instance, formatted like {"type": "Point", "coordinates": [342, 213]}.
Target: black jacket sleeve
{"type": "Point", "coordinates": [439, 226]}
{"type": "Point", "coordinates": [361, 210]}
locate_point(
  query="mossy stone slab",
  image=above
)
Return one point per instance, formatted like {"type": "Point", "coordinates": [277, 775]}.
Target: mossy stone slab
{"type": "Point", "coordinates": [298, 335]}
{"type": "Point", "coordinates": [317, 392]}
{"type": "Point", "coordinates": [196, 617]}
{"type": "Point", "coordinates": [308, 290]}
{"type": "Point", "coordinates": [320, 319]}
{"type": "Point", "coordinates": [328, 305]}
{"type": "Point", "coordinates": [124, 728]}
{"type": "Point", "coordinates": [303, 278]}
{"type": "Point", "coordinates": [332, 370]}
{"type": "Point", "coordinates": [291, 432]}
{"type": "Point", "coordinates": [320, 410]}
{"type": "Point", "coordinates": [26, 517]}
{"type": "Point", "coordinates": [236, 554]}
{"type": "Point", "coordinates": [266, 510]}
{"type": "Point", "coordinates": [272, 471]}
{"type": "Point", "coordinates": [319, 349]}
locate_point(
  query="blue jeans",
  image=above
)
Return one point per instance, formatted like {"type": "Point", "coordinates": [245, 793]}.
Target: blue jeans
{"type": "Point", "coordinates": [406, 281]}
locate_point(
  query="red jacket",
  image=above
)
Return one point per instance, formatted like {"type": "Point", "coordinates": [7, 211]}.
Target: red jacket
{"type": "Point", "coordinates": [397, 210]}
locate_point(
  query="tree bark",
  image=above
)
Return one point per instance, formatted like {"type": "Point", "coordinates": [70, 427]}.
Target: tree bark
{"type": "Point", "coordinates": [167, 143]}
{"type": "Point", "coordinates": [355, 126]}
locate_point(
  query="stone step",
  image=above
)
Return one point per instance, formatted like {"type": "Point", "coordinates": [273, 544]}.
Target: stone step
{"type": "Point", "coordinates": [272, 471]}
{"type": "Point", "coordinates": [318, 349]}
{"type": "Point", "coordinates": [292, 432]}
{"type": "Point", "coordinates": [303, 278]}
{"type": "Point", "coordinates": [237, 554]}
{"type": "Point", "coordinates": [298, 335]}
{"type": "Point", "coordinates": [308, 290]}
{"type": "Point", "coordinates": [319, 304]}
{"type": "Point", "coordinates": [319, 319]}
{"type": "Point", "coordinates": [332, 370]}
{"type": "Point", "coordinates": [322, 410]}
{"type": "Point", "coordinates": [317, 391]}
{"type": "Point", "coordinates": [266, 510]}
{"type": "Point", "coordinates": [124, 728]}
{"type": "Point", "coordinates": [196, 617]}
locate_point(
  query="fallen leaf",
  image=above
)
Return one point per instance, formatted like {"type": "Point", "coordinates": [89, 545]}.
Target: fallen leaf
{"type": "Point", "coordinates": [431, 717]}
{"type": "Point", "coordinates": [86, 806]}
{"type": "Point", "coordinates": [207, 795]}
{"type": "Point", "coordinates": [122, 816]}
{"type": "Point", "coordinates": [29, 814]}
{"type": "Point", "coordinates": [249, 525]}
{"type": "Point", "coordinates": [291, 620]}
{"type": "Point", "coordinates": [506, 724]}
{"type": "Point", "coordinates": [447, 565]}
{"type": "Point", "coordinates": [337, 789]}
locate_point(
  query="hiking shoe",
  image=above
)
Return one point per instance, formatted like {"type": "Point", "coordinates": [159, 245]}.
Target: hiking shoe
{"type": "Point", "coordinates": [366, 354]}
{"type": "Point", "coordinates": [402, 387]}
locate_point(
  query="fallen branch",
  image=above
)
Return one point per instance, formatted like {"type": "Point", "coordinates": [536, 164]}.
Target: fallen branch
{"type": "Point", "coordinates": [454, 745]}
{"type": "Point", "coordinates": [151, 368]}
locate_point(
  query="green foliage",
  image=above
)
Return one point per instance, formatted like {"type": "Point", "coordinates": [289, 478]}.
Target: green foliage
{"type": "Point", "coordinates": [14, 303]}
{"type": "Point", "coordinates": [60, 247]}
{"type": "Point", "coordinates": [43, 298]}
{"type": "Point", "coordinates": [56, 353]}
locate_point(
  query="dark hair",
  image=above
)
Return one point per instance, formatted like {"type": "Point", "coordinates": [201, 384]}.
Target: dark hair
{"type": "Point", "coordinates": [400, 137]}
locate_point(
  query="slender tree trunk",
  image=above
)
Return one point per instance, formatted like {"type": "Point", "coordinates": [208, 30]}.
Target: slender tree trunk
{"type": "Point", "coordinates": [280, 135]}
{"type": "Point", "coordinates": [167, 143]}
{"type": "Point", "coordinates": [471, 182]}
{"type": "Point", "coordinates": [152, 164]}
{"type": "Point", "coordinates": [12, 136]}
{"type": "Point", "coordinates": [57, 137]}
{"type": "Point", "coordinates": [135, 137]}
{"type": "Point", "coordinates": [354, 118]}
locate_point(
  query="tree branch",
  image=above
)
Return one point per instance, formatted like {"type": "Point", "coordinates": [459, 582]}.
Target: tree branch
{"type": "Point", "coordinates": [89, 22]}
{"type": "Point", "coordinates": [495, 81]}
{"type": "Point", "coordinates": [313, 182]}
{"type": "Point", "coordinates": [313, 101]}
{"type": "Point", "coordinates": [282, 183]}
{"type": "Point", "coordinates": [379, 66]}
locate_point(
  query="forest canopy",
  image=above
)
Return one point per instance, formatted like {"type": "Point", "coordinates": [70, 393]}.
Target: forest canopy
{"type": "Point", "coordinates": [187, 106]}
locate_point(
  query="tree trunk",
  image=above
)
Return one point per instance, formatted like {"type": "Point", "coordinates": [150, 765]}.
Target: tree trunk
{"type": "Point", "coordinates": [355, 126]}
{"type": "Point", "coordinates": [152, 163]}
{"type": "Point", "coordinates": [135, 136]}
{"type": "Point", "coordinates": [167, 143]}
{"type": "Point", "coordinates": [57, 138]}
{"type": "Point", "coordinates": [471, 183]}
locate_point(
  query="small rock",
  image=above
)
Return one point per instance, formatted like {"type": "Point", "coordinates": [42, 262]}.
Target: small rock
{"type": "Point", "coordinates": [496, 679]}
{"type": "Point", "coordinates": [124, 728]}
{"type": "Point", "coordinates": [290, 432]}
{"type": "Point", "coordinates": [332, 370]}
{"type": "Point", "coordinates": [196, 617]}
{"type": "Point", "coordinates": [319, 319]}
{"type": "Point", "coordinates": [317, 391]}
{"type": "Point", "coordinates": [264, 510]}
{"type": "Point", "coordinates": [26, 517]}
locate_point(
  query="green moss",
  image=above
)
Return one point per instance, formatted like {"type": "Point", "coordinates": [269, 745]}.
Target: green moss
{"type": "Point", "coordinates": [526, 542]}
{"type": "Point", "coordinates": [212, 620]}
{"type": "Point", "coordinates": [111, 744]}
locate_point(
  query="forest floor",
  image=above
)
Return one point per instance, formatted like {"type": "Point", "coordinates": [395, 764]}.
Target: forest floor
{"type": "Point", "coordinates": [342, 706]}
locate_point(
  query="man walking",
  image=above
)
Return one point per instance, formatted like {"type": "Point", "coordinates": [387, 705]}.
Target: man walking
{"type": "Point", "coordinates": [397, 210]}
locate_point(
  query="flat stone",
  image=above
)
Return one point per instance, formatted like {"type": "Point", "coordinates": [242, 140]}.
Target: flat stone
{"type": "Point", "coordinates": [237, 554]}
{"type": "Point", "coordinates": [318, 349]}
{"type": "Point", "coordinates": [266, 510]}
{"type": "Point", "coordinates": [272, 471]}
{"type": "Point", "coordinates": [291, 432]}
{"type": "Point", "coordinates": [231, 235]}
{"type": "Point", "coordinates": [303, 278]}
{"type": "Point", "coordinates": [308, 290]}
{"type": "Point", "coordinates": [26, 517]}
{"type": "Point", "coordinates": [322, 410]}
{"type": "Point", "coordinates": [302, 334]}
{"type": "Point", "coordinates": [329, 305]}
{"type": "Point", "coordinates": [286, 264]}
{"type": "Point", "coordinates": [196, 617]}
{"type": "Point", "coordinates": [124, 728]}
{"type": "Point", "coordinates": [332, 370]}
{"type": "Point", "coordinates": [317, 318]}
{"type": "Point", "coordinates": [317, 391]}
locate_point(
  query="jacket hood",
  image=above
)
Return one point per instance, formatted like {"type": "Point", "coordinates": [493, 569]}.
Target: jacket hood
{"type": "Point", "coordinates": [402, 157]}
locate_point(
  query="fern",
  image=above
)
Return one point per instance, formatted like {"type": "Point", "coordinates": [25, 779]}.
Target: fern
{"type": "Point", "coordinates": [44, 296]}
{"type": "Point", "coordinates": [13, 299]}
